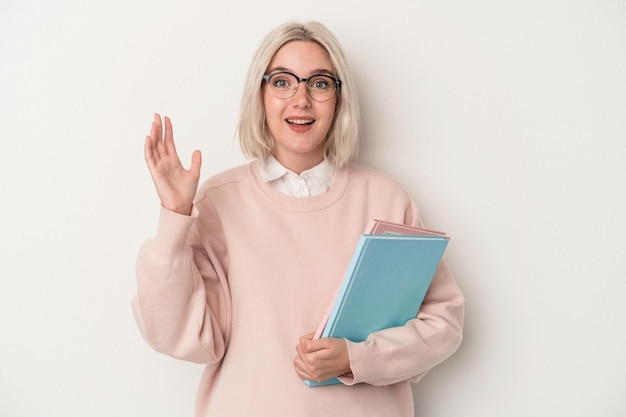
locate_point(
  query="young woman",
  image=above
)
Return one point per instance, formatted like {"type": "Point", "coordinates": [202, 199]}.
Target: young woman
{"type": "Point", "coordinates": [242, 269]}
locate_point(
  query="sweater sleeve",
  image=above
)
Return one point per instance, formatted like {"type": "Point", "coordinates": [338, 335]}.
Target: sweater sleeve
{"type": "Point", "coordinates": [182, 305]}
{"type": "Point", "coordinates": [407, 353]}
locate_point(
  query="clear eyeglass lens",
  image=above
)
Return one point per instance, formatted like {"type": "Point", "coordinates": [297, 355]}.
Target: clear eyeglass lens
{"type": "Point", "coordinates": [320, 87]}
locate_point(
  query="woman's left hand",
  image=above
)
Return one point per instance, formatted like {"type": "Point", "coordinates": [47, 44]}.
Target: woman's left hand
{"type": "Point", "coordinates": [321, 359]}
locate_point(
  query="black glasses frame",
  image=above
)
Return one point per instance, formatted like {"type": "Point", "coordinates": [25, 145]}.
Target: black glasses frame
{"type": "Point", "coordinates": [267, 77]}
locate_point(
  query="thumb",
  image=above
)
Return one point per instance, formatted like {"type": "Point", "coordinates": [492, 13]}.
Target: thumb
{"type": "Point", "coordinates": [196, 163]}
{"type": "Point", "coordinates": [306, 342]}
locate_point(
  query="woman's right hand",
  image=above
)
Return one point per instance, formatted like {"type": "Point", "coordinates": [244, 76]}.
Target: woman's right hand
{"type": "Point", "coordinates": [175, 185]}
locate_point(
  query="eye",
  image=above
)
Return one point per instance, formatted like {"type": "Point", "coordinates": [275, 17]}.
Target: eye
{"type": "Point", "coordinates": [320, 83]}
{"type": "Point", "coordinates": [280, 81]}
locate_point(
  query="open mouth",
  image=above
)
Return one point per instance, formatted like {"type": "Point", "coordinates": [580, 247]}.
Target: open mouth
{"type": "Point", "coordinates": [300, 122]}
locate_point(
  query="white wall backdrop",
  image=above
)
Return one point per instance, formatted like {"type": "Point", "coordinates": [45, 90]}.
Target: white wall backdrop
{"type": "Point", "coordinates": [506, 121]}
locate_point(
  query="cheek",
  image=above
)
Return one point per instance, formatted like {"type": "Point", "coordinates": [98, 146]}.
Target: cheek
{"type": "Point", "coordinates": [273, 114]}
{"type": "Point", "coordinates": [331, 112]}
{"type": "Point", "coordinates": [270, 104]}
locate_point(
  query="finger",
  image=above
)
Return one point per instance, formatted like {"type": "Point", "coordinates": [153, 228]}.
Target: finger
{"type": "Point", "coordinates": [158, 137]}
{"type": "Point", "coordinates": [158, 127]}
{"type": "Point", "coordinates": [300, 368]}
{"type": "Point", "coordinates": [153, 130]}
{"type": "Point", "coordinates": [310, 371]}
{"type": "Point", "coordinates": [148, 152]}
{"type": "Point", "coordinates": [154, 141]}
{"type": "Point", "coordinates": [170, 148]}
{"type": "Point", "coordinates": [196, 163]}
{"type": "Point", "coordinates": [317, 344]}
{"type": "Point", "coordinates": [306, 338]}
{"type": "Point", "coordinates": [303, 357]}
{"type": "Point", "coordinates": [303, 365]}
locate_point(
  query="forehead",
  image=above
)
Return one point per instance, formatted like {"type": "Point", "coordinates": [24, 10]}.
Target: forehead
{"type": "Point", "coordinates": [302, 57]}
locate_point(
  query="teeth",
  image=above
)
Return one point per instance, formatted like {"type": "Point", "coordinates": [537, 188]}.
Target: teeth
{"type": "Point", "coordinates": [299, 121]}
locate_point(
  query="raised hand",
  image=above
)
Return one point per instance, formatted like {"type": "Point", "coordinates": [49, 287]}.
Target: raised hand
{"type": "Point", "coordinates": [175, 185]}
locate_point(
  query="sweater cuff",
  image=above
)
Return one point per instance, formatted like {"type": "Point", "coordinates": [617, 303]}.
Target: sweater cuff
{"type": "Point", "coordinates": [358, 363]}
{"type": "Point", "coordinates": [172, 231]}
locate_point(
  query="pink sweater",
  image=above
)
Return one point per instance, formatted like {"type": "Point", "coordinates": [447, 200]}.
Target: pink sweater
{"type": "Point", "coordinates": [236, 286]}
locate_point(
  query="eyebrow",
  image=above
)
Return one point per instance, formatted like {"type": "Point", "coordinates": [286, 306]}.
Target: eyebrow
{"type": "Point", "coordinates": [317, 71]}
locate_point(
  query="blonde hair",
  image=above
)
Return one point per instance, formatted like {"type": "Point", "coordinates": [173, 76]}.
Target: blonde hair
{"type": "Point", "coordinates": [254, 136]}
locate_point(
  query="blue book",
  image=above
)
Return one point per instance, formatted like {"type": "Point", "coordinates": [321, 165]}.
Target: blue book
{"type": "Point", "coordinates": [384, 285]}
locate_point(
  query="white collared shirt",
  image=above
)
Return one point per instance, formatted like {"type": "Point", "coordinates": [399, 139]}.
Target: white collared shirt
{"type": "Point", "coordinates": [311, 182]}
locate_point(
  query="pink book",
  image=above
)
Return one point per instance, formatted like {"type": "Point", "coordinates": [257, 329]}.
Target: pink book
{"type": "Point", "coordinates": [381, 227]}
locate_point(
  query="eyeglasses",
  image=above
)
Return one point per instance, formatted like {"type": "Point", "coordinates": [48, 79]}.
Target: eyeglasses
{"type": "Point", "coordinates": [284, 84]}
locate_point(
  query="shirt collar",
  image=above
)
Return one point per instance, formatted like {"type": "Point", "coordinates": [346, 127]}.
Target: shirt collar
{"type": "Point", "coordinates": [271, 170]}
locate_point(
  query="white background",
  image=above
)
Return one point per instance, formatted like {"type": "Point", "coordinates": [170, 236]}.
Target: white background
{"type": "Point", "coordinates": [506, 121]}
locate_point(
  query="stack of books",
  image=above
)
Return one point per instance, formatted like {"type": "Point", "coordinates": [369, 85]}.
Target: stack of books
{"type": "Point", "coordinates": [386, 281]}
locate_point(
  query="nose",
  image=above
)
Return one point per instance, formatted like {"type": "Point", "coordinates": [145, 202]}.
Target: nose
{"type": "Point", "coordinates": [301, 97]}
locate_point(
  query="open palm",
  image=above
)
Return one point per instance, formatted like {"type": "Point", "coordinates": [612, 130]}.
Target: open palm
{"type": "Point", "coordinates": [175, 185]}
